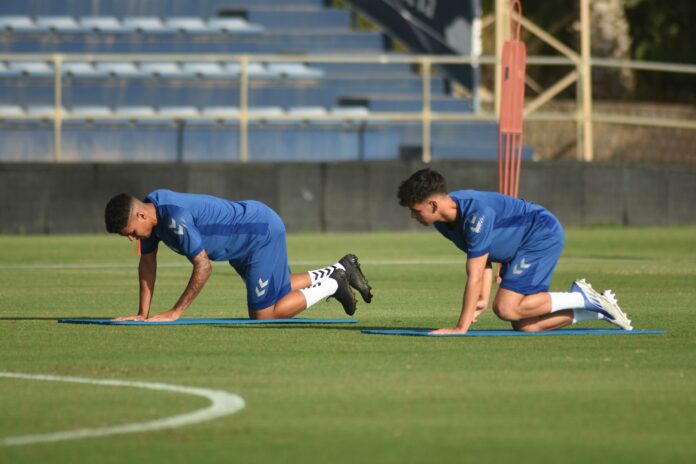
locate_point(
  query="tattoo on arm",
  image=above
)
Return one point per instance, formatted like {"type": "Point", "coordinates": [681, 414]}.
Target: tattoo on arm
{"type": "Point", "coordinates": [199, 276]}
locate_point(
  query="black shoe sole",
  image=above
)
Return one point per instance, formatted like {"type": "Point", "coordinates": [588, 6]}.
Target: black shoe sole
{"type": "Point", "coordinates": [356, 278]}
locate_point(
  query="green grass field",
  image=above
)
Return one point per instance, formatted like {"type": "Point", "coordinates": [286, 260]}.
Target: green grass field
{"type": "Point", "coordinates": [329, 394]}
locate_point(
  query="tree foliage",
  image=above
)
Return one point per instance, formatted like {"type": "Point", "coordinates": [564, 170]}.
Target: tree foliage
{"type": "Point", "coordinates": [659, 31]}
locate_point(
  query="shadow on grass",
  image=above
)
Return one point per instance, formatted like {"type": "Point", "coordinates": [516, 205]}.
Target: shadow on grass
{"type": "Point", "coordinates": [347, 328]}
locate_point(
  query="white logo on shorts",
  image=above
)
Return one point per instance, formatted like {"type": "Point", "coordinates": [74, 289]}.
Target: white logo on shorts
{"type": "Point", "coordinates": [261, 288]}
{"type": "Point", "coordinates": [519, 270]}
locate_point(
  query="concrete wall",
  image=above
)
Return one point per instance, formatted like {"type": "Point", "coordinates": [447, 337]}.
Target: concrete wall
{"type": "Point", "coordinates": [70, 198]}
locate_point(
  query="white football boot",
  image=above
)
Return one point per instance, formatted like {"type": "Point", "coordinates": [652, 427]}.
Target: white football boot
{"type": "Point", "coordinates": [604, 303]}
{"type": "Point", "coordinates": [619, 318]}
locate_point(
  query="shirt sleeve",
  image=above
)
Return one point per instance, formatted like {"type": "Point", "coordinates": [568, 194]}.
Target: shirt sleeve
{"type": "Point", "coordinates": [186, 235]}
{"type": "Point", "coordinates": [478, 231]}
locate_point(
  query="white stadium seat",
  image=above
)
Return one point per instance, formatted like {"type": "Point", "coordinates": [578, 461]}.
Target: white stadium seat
{"type": "Point", "coordinates": [63, 24]}
{"type": "Point", "coordinates": [234, 26]}
{"type": "Point", "coordinates": [32, 68]}
{"type": "Point", "coordinates": [147, 25]}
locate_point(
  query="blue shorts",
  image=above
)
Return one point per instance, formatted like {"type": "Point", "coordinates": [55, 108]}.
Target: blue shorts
{"type": "Point", "coordinates": [266, 271]}
{"type": "Point", "coordinates": [529, 272]}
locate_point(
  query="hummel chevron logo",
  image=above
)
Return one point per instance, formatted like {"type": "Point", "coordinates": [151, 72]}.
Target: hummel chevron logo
{"type": "Point", "coordinates": [261, 288]}
{"type": "Point", "coordinates": [177, 230]}
{"type": "Point", "coordinates": [476, 228]}
{"type": "Point", "coordinates": [519, 270]}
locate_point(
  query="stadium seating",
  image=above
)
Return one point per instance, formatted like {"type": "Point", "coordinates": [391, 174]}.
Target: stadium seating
{"type": "Point", "coordinates": [186, 111]}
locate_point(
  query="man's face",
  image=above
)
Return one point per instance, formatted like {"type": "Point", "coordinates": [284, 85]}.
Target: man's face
{"type": "Point", "coordinates": [425, 211]}
{"type": "Point", "coordinates": [137, 228]}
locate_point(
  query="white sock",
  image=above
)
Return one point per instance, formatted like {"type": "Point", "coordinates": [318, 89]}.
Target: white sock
{"type": "Point", "coordinates": [566, 300]}
{"type": "Point", "coordinates": [580, 315]}
{"type": "Point", "coordinates": [319, 291]}
{"type": "Point", "coordinates": [318, 275]}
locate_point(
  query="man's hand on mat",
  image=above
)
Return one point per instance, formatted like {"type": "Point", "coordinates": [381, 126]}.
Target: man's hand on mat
{"type": "Point", "coordinates": [137, 317]}
{"type": "Point", "coordinates": [167, 316]}
{"type": "Point", "coordinates": [448, 331]}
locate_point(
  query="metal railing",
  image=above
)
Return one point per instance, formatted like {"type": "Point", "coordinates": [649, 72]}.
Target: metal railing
{"type": "Point", "coordinates": [425, 116]}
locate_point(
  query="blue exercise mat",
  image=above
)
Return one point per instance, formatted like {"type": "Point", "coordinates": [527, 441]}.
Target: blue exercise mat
{"type": "Point", "coordinates": [195, 321]}
{"type": "Point", "coordinates": [512, 333]}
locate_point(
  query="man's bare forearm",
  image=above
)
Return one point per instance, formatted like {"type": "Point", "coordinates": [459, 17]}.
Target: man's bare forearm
{"type": "Point", "coordinates": [147, 274]}
{"type": "Point", "coordinates": [470, 301]}
{"type": "Point", "coordinates": [202, 269]}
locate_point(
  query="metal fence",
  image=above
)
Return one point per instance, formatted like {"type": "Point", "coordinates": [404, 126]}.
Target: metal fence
{"type": "Point", "coordinates": [581, 116]}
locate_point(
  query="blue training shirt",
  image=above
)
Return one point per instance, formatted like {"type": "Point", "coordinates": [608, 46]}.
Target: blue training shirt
{"type": "Point", "coordinates": [189, 223]}
{"type": "Point", "coordinates": [489, 222]}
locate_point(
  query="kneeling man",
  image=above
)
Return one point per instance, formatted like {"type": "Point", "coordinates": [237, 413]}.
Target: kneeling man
{"type": "Point", "coordinates": [525, 238]}
{"type": "Point", "coordinates": [247, 234]}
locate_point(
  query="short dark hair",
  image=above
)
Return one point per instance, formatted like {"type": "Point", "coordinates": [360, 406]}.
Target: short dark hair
{"type": "Point", "coordinates": [117, 212]}
{"type": "Point", "coordinates": [420, 186]}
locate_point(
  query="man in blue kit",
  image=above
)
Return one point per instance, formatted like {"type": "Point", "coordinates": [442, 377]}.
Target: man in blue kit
{"type": "Point", "coordinates": [248, 234]}
{"type": "Point", "coordinates": [525, 238]}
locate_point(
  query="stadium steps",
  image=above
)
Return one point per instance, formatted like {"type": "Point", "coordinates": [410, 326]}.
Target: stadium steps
{"type": "Point", "coordinates": [269, 42]}
{"type": "Point", "coordinates": [262, 92]}
{"type": "Point", "coordinates": [183, 112]}
{"type": "Point", "coordinates": [122, 8]}
{"type": "Point", "coordinates": [18, 26]}
{"type": "Point", "coordinates": [408, 102]}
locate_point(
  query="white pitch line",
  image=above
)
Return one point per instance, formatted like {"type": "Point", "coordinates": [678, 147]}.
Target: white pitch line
{"type": "Point", "coordinates": [222, 404]}
{"type": "Point", "coordinates": [368, 262]}
{"type": "Point", "coordinates": [384, 262]}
